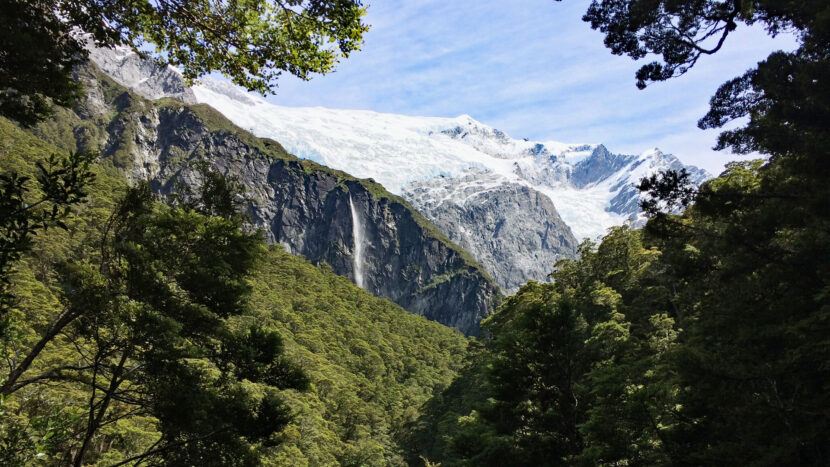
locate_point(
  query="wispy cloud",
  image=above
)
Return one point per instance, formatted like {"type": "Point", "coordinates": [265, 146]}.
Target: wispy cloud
{"type": "Point", "coordinates": [530, 68]}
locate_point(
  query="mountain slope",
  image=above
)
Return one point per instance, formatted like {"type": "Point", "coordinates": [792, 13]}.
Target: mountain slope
{"type": "Point", "coordinates": [372, 365]}
{"type": "Point", "coordinates": [511, 228]}
{"type": "Point", "coordinates": [397, 150]}
{"type": "Point", "coordinates": [433, 162]}
{"type": "Point", "coordinates": [311, 210]}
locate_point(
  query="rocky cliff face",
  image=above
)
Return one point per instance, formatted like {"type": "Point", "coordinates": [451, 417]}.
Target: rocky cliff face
{"type": "Point", "coordinates": [600, 165]}
{"type": "Point", "coordinates": [308, 209]}
{"type": "Point", "coordinates": [512, 229]}
{"type": "Point", "coordinates": [141, 75]}
{"type": "Point", "coordinates": [621, 173]}
{"type": "Point", "coordinates": [492, 194]}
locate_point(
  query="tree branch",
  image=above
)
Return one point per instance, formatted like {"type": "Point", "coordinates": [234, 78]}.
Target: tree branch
{"type": "Point", "coordinates": [53, 375]}
{"type": "Point", "coordinates": [163, 448]}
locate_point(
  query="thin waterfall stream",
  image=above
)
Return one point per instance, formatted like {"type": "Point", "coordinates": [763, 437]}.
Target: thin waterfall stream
{"type": "Point", "coordinates": [357, 255]}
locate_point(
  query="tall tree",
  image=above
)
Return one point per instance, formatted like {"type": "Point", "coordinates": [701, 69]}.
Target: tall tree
{"type": "Point", "coordinates": [578, 370]}
{"type": "Point", "coordinates": [27, 208]}
{"type": "Point", "coordinates": [750, 255]}
{"type": "Point", "coordinates": [158, 323]}
{"type": "Point", "coordinates": [750, 260]}
{"type": "Point", "coordinates": [38, 54]}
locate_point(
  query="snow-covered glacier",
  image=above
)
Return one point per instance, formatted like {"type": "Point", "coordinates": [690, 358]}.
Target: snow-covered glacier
{"type": "Point", "coordinates": [591, 188]}
{"type": "Point", "coordinates": [518, 206]}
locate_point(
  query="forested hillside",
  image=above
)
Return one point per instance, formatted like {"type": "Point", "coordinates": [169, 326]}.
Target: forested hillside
{"type": "Point", "coordinates": [372, 365]}
{"type": "Point", "coordinates": [692, 351]}
{"type": "Point", "coordinates": [702, 339]}
{"type": "Point", "coordinates": [369, 363]}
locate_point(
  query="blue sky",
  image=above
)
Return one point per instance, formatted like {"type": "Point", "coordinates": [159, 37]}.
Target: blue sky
{"type": "Point", "coordinates": [530, 68]}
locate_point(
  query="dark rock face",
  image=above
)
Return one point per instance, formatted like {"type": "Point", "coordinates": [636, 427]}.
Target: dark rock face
{"type": "Point", "coordinates": [304, 207]}
{"type": "Point", "coordinates": [309, 214]}
{"type": "Point", "coordinates": [601, 165]}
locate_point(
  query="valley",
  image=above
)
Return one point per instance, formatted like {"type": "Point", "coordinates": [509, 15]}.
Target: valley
{"type": "Point", "coordinates": [193, 275]}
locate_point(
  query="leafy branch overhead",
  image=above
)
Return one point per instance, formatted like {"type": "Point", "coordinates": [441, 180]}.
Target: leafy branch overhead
{"type": "Point", "coordinates": [667, 191]}
{"type": "Point", "coordinates": [680, 32]}
{"type": "Point", "coordinates": [251, 41]}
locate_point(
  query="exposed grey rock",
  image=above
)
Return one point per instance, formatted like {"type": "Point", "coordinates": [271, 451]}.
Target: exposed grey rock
{"type": "Point", "coordinates": [627, 199]}
{"type": "Point", "coordinates": [600, 165]}
{"type": "Point", "coordinates": [512, 229]}
{"type": "Point", "coordinates": [525, 250]}
{"type": "Point", "coordinates": [142, 76]}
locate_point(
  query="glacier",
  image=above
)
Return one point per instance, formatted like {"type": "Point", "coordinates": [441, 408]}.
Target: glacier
{"type": "Point", "coordinates": [399, 150]}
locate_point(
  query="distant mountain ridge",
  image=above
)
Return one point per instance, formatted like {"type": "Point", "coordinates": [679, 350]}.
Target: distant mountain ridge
{"type": "Point", "coordinates": [518, 206]}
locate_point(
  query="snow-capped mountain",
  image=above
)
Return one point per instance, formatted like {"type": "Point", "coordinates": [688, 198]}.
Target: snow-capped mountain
{"type": "Point", "coordinates": [591, 188]}
{"type": "Point", "coordinates": [141, 75]}
{"type": "Point", "coordinates": [451, 169]}
{"type": "Point", "coordinates": [518, 206]}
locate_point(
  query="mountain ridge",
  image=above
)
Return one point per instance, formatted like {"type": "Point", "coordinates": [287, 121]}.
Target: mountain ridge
{"type": "Point", "coordinates": [430, 160]}
{"type": "Point", "coordinates": [299, 204]}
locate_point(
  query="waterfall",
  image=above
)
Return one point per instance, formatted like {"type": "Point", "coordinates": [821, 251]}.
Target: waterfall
{"type": "Point", "coordinates": [357, 254]}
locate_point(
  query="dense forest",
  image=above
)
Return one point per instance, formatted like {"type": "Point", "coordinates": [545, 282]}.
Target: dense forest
{"type": "Point", "coordinates": [136, 329]}
{"type": "Point", "coordinates": [366, 364]}
{"type": "Point", "coordinates": [703, 338]}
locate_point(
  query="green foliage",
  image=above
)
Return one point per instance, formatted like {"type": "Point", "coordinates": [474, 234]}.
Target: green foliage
{"type": "Point", "coordinates": [23, 439]}
{"type": "Point", "coordinates": [250, 41]}
{"type": "Point", "coordinates": [156, 319]}
{"type": "Point", "coordinates": [149, 324]}
{"type": "Point", "coordinates": [785, 98]}
{"type": "Point", "coordinates": [368, 364]}
{"type": "Point", "coordinates": [749, 258]}
{"type": "Point", "coordinates": [753, 301]}
{"type": "Point", "coordinates": [681, 32]}
{"type": "Point", "coordinates": [35, 415]}
{"type": "Point", "coordinates": [700, 350]}
{"type": "Point", "coordinates": [61, 183]}
{"type": "Point", "coordinates": [131, 314]}
{"type": "Point", "coordinates": [449, 420]}
{"type": "Point", "coordinates": [38, 54]}
{"type": "Point", "coordinates": [217, 195]}
{"type": "Point", "coordinates": [572, 372]}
